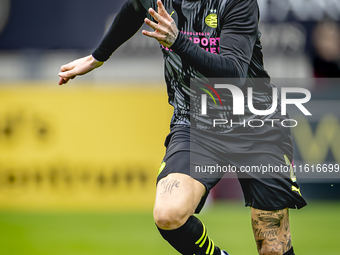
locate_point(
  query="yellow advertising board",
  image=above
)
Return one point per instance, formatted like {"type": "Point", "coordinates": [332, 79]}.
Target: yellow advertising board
{"type": "Point", "coordinates": [81, 147]}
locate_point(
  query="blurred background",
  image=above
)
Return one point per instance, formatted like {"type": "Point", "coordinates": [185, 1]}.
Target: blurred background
{"type": "Point", "coordinates": [78, 163]}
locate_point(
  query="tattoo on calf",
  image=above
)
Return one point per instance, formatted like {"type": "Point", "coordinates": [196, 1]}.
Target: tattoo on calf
{"type": "Point", "coordinates": [272, 222]}
{"type": "Point", "coordinates": [271, 231]}
{"type": "Point", "coordinates": [169, 185]}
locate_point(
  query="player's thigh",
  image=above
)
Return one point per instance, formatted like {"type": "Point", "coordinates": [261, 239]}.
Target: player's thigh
{"type": "Point", "coordinates": [177, 197]}
{"type": "Point", "coordinates": [271, 231]}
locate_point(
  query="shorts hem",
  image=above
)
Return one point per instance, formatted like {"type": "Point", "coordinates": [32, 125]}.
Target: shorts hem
{"type": "Point", "coordinates": [274, 208]}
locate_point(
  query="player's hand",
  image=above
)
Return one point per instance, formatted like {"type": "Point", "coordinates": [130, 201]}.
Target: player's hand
{"type": "Point", "coordinates": [78, 67]}
{"type": "Point", "coordinates": [166, 30]}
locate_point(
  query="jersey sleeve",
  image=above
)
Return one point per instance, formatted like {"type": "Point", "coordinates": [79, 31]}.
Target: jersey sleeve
{"type": "Point", "coordinates": [239, 25]}
{"type": "Point", "coordinates": [127, 22]}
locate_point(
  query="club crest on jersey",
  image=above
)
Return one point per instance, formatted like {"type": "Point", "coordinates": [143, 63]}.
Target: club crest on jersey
{"type": "Point", "coordinates": [211, 19]}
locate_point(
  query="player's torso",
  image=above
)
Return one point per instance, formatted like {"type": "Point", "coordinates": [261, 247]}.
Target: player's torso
{"type": "Point", "coordinates": [200, 22]}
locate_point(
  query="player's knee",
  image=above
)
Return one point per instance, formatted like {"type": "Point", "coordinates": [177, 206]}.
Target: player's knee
{"type": "Point", "coordinates": [170, 218]}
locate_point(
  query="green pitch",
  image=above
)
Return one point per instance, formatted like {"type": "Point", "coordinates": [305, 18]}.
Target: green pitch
{"type": "Point", "coordinates": [315, 230]}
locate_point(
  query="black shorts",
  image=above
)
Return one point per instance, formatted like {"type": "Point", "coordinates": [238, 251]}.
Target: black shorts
{"type": "Point", "coordinates": [260, 158]}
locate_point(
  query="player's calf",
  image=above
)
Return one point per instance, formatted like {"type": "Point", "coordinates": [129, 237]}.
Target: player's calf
{"type": "Point", "coordinates": [272, 232]}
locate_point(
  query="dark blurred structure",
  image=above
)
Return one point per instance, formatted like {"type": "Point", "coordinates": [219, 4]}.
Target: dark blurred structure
{"type": "Point", "coordinates": [37, 36]}
{"type": "Point", "coordinates": [326, 49]}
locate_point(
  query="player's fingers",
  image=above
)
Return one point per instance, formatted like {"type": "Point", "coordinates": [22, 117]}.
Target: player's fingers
{"type": "Point", "coordinates": [63, 81]}
{"type": "Point", "coordinates": [154, 25]}
{"type": "Point", "coordinates": [67, 74]}
{"type": "Point", "coordinates": [162, 11]}
{"type": "Point", "coordinates": [67, 67]}
{"type": "Point", "coordinates": [155, 35]}
{"type": "Point", "coordinates": [147, 33]}
{"type": "Point", "coordinates": [160, 6]}
{"type": "Point", "coordinates": [155, 15]}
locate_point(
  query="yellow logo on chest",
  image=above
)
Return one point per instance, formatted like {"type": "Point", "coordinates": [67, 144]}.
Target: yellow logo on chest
{"type": "Point", "coordinates": [211, 20]}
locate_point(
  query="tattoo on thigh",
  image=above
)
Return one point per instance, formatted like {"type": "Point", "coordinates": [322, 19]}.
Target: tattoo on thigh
{"type": "Point", "coordinates": [271, 231]}
{"type": "Point", "coordinates": [169, 185]}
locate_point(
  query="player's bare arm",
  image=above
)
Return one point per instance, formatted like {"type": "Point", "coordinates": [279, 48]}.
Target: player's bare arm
{"type": "Point", "coordinates": [78, 67]}
{"type": "Point", "coordinates": [271, 231]}
{"type": "Point", "coordinates": [166, 30]}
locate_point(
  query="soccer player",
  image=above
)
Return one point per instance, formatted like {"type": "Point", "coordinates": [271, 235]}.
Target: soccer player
{"type": "Point", "coordinates": [201, 39]}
